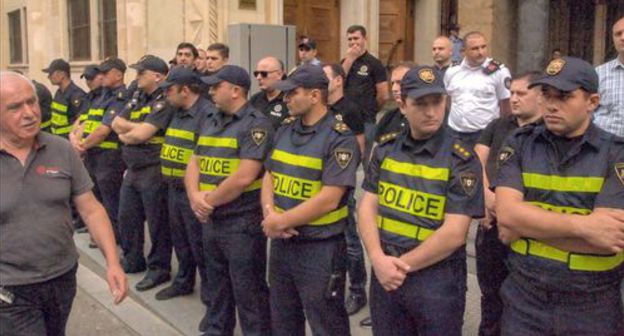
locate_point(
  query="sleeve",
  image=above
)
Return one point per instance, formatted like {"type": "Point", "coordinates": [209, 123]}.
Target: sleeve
{"type": "Point", "coordinates": [161, 118]}
{"type": "Point", "coordinates": [379, 72]}
{"type": "Point", "coordinates": [341, 161]}
{"type": "Point", "coordinates": [255, 141]}
{"type": "Point", "coordinates": [78, 103]}
{"type": "Point", "coordinates": [612, 193]}
{"type": "Point", "coordinates": [371, 178]}
{"type": "Point", "coordinates": [465, 192]}
{"type": "Point", "coordinates": [509, 164]}
{"type": "Point", "coordinates": [112, 111]}
{"type": "Point", "coordinates": [80, 180]}
{"type": "Point", "coordinates": [502, 84]}
{"type": "Point", "coordinates": [487, 136]}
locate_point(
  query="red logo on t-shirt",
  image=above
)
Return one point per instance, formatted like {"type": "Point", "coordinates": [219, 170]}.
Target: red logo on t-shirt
{"type": "Point", "coordinates": [43, 170]}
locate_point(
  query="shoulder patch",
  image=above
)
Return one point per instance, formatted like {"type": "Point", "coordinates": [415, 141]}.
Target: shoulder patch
{"type": "Point", "coordinates": [159, 105]}
{"type": "Point", "coordinates": [289, 120]}
{"type": "Point", "coordinates": [121, 95]}
{"type": "Point", "coordinates": [388, 137]}
{"type": "Point", "coordinates": [505, 153]}
{"type": "Point", "coordinates": [461, 151]}
{"type": "Point", "coordinates": [492, 67]}
{"type": "Point", "coordinates": [76, 101]}
{"type": "Point", "coordinates": [343, 156]}
{"type": "Point", "coordinates": [259, 135]}
{"type": "Point", "coordinates": [619, 171]}
{"type": "Point", "coordinates": [341, 127]}
{"type": "Point", "coordinates": [468, 182]}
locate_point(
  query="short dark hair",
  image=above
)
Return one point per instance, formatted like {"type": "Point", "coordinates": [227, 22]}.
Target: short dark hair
{"type": "Point", "coordinates": [336, 70]}
{"type": "Point", "coordinates": [357, 28]}
{"type": "Point", "coordinates": [223, 49]}
{"type": "Point", "coordinates": [530, 76]}
{"type": "Point", "coordinates": [188, 45]}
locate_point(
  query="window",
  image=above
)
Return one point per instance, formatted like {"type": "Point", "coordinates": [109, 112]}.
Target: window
{"type": "Point", "coordinates": [15, 37]}
{"type": "Point", "coordinates": [108, 28]}
{"type": "Point", "coordinates": [79, 30]}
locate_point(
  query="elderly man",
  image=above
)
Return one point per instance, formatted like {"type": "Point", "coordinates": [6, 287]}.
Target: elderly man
{"type": "Point", "coordinates": [39, 174]}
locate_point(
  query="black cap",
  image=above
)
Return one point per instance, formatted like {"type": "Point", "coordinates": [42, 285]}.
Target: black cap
{"type": "Point", "coordinates": [307, 42]}
{"type": "Point", "coordinates": [112, 63]}
{"type": "Point", "coordinates": [305, 76]}
{"type": "Point", "coordinates": [182, 76]}
{"type": "Point", "coordinates": [57, 64]}
{"type": "Point", "coordinates": [90, 71]}
{"type": "Point", "coordinates": [422, 81]}
{"type": "Point", "coordinates": [152, 63]}
{"type": "Point", "coordinates": [568, 74]}
{"type": "Point", "coordinates": [231, 74]}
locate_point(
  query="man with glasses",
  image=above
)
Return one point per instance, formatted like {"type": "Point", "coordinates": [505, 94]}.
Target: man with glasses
{"type": "Point", "coordinates": [269, 100]}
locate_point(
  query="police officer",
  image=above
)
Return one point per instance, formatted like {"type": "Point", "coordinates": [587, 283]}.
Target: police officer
{"type": "Point", "coordinates": [182, 91]}
{"type": "Point", "coordinates": [491, 253]}
{"type": "Point", "coordinates": [94, 80]}
{"type": "Point", "coordinates": [223, 183]}
{"type": "Point", "coordinates": [269, 100]}
{"type": "Point", "coordinates": [304, 195]}
{"type": "Point", "coordinates": [422, 188]}
{"type": "Point", "coordinates": [45, 101]}
{"type": "Point", "coordinates": [68, 99]}
{"type": "Point", "coordinates": [100, 143]}
{"type": "Point", "coordinates": [560, 203]}
{"type": "Point", "coordinates": [143, 196]}
{"type": "Point", "coordinates": [479, 90]}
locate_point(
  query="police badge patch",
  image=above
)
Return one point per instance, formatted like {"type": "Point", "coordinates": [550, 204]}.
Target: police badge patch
{"type": "Point", "coordinates": [555, 66]}
{"type": "Point", "coordinates": [343, 157]}
{"type": "Point", "coordinates": [426, 75]}
{"type": "Point", "coordinates": [468, 182]}
{"type": "Point", "coordinates": [258, 135]}
{"type": "Point", "coordinates": [363, 71]}
{"type": "Point", "coordinates": [619, 171]}
{"type": "Point", "coordinates": [504, 154]}
{"type": "Point", "coordinates": [76, 102]}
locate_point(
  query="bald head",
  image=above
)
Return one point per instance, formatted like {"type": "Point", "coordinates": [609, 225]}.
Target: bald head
{"type": "Point", "coordinates": [441, 51]}
{"type": "Point", "coordinates": [269, 70]}
{"type": "Point", "coordinates": [20, 115]}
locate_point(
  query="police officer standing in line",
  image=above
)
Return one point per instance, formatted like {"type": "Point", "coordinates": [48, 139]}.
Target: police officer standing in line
{"type": "Point", "coordinates": [350, 114]}
{"type": "Point", "coordinates": [422, 188]}
{"type": "Point", "coordinates": [304, 195]}
{"type": "Point", "coordinates": [182, 91]}
{"type": "Point", "coordinates": [560, 205]}
{"type": "Point", "coordinates": [94, 80]}
{"type": "Point", "coordinates": [479, 90]}
{"type": "Point", "coordinates": [100, 143]}
{"type": "Point", "coordinates": [223, 181]}
{"type": "Point", "coordinates": [526, 109]}
{"type": "Point", "coordinates": [269, 100]}
{"type": "Point", "coordinates": [143, 196]}
{"type": "Point", "coordinates": [45, 101]}
{"type": "Point", "coordinates": [68, 99]}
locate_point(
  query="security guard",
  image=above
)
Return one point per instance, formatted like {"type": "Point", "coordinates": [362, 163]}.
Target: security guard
{"type": "Point", "coordinates": [304, 195]}
{"type": "Point", "coordinates": [68, 99]}
{"type": "Point", "coordinates": [182, 91]}
{"type": "Point", "coordinates": [422, 188]}
{"type": "Point", "coordinates": [143, 196]}
{"type": "Point", "coordinates": [268, 100]}
{"type": "Point", "coordinates": [223, 182]}
{"type": "Point", "coordinates": [99, 141]}
{"type": "Point", "coordinates": [560, 202]}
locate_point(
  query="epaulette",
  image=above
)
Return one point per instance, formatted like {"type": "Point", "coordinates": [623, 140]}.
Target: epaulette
{"type": "Point", "coordinates": [461, 151]}
{"type": "Point", "coordinates": [76, 100]}
{"type": "Point", "coordinates": [159, 105]}
{"type": "Point", "coordinates": [388, 137]}
{"type": "Point", "coordinates": [289, 120]}
{"type": "Point", "coordinates": [340, 126]}
{"type": "Point", "coordinates": [121, 95]}
{"type": "Point", "coordinates": [492, 67]}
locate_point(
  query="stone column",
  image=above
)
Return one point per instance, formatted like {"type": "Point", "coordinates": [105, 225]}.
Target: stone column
{"type": "Point", "coordinates": [532, 34]}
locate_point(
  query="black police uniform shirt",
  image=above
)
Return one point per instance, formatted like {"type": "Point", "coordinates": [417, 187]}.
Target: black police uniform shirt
{"type": "Point", "coordinates": [180, 139]}
{"type": "Point", "coordinates": [350, 113]}
{"type": "Point", "coordinates": [590, 175]}
{"type": "Point", "coordinates": [276, 109]}
{"type": "Point", "coordinates": [152, 109]}
{"type": "Point", "coordinates": [306, 158]}
{"type": "Point", "coordinates": [103, 111]}
{"type": "Point", "coordinates": [65, 108]}
{"type": "Point", "coordinates": [224, 140]}
{"type": "Point", "coordinates": [418, 182]}
{"type": "Point", "coordinates": [45, 100]}
{"type": "Point", "coordinates": [392, 122]}
{"type": "Point", "coordinates": [365, 73]}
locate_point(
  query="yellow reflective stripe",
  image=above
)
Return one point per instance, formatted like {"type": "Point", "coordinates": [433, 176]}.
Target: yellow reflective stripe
{"type": "Point", "coordinates": [415, 170]}
{"type": "Point", "coordinates": [45, 124]}
{"type": "Point", "coordinates": [83, 117]}
{"type": "Point", "coordinates": [575, 261]}
{"type": "Point", "coordinates": [297, 160]}
{"type": "Point", "coordinates": [404, 229]}
{"type": "Point", "coordinates": [157, 140]}
{"type": "Point", "coordinates": [562, 209]}
{"type": "Point", "coordinates": [96, 112]}
{"type": "Point", "coordinates": [90, 126]}
{"type": "Point", "coordinates": [58, 107]}
{"type": "Point", "coordinates": [217, 142]}
{"type": "Point", "coordinates": [166, 171]}
{"type": "Point", "coordinates": [216, 166]}
{"type": "Point", "coordinates": [295, 187]}
{"type": "Point", "coordinates": [411, 201]}
{"type": "Point", "coordinates": [61, 130]}
{"type": "Point", "coordinates": [134, 115]}
{"type": "Point", "coordinates": [59, 119]}
{"type": "Point", "coordinates": [182, 134]}
{"type": "Point", "coordinates": [257, 184]}
{"type": "Point", "coordinates": [329, 218]}
{"type": "Point", "coordinates": [108, 145]}
{"type": "Point", "coordinates": [175, 154]}
{"type": "Point", "coordinates": [563, 183]}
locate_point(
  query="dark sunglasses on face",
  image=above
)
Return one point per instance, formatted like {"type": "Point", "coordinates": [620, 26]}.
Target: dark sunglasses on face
{"type": "Point", "coordinates": [263, 74]}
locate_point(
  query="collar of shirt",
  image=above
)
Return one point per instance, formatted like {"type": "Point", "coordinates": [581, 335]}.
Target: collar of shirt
{"type": "Point", "coordinates": [305, 130]}
{"type": "Point", "coordinates": [430, 145]}
{"type": "Point", "coordinates": [617, 64]}
{"type": "Point", "coordinates": [223, 119]}
{"type": "Point", "coordinates": [193, 110]}
{"type": "Point", "coordinates": [591, 136]}
{"type": "Point", "coordinates": [465, 64]}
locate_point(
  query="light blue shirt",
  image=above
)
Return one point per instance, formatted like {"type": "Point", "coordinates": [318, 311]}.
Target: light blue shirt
{"type": "Point", "coordinates": [610, 113]}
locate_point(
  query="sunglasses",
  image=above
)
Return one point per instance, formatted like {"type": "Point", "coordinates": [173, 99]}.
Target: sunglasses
{"type": "Point", "coordinates": [263, 74]}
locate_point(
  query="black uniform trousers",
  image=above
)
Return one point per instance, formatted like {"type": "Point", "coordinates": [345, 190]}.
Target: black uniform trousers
{"type": "Point", "coordinates": [144, 197]}
{"type": "Point", "coordinates": [40, 308]}
{"type": "Point", "coordinates": [236, 262]}
{"type": "Point", "coordinates": [356, 266]}
{"type": "Point", "coordinates": [187, 237]}
{"type": "Point", "coordinates": [491, 272]}
{"type": "Point", "coordinates": [299, 273]}
{"type": "Point", "coordinates": [430, 302]}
